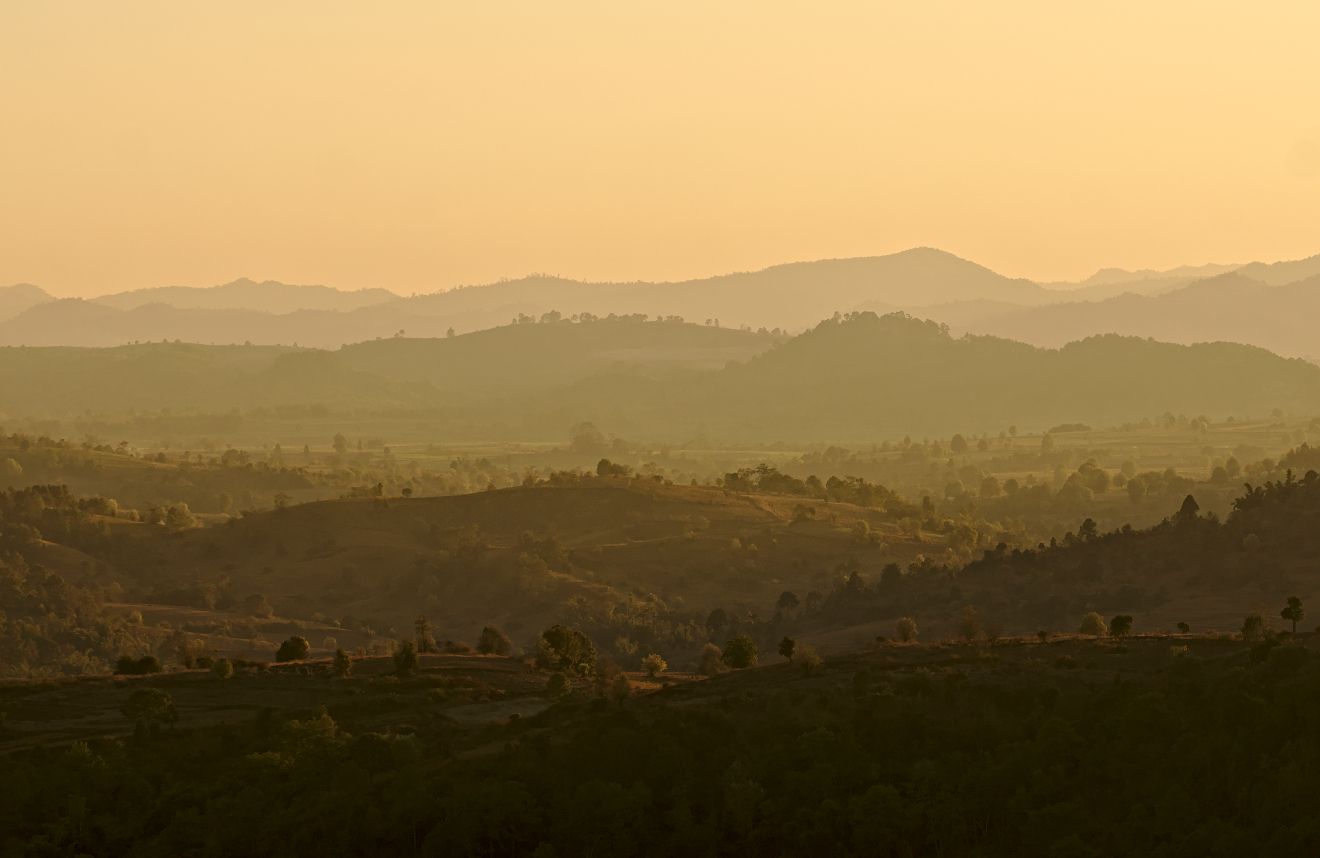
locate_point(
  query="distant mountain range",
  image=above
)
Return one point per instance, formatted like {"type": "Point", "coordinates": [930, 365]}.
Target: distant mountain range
{"type": "Point", "coordinates": [1261, 304]}
{"type": "Point", "coordinates": [858, 377]}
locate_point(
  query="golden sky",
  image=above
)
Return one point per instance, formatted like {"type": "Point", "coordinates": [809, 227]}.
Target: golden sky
{"type": "Point", "coordinates": [419, 145]}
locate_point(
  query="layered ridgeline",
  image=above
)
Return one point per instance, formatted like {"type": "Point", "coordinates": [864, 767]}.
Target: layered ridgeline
{"type": "Point", "coordinates": [1268, 305]}
{"type": "Point", "coordinates": [856, 377]}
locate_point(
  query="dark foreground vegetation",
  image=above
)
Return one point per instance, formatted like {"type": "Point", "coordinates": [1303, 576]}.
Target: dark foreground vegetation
{"type": "Point", "coordinates": [1173, 746]}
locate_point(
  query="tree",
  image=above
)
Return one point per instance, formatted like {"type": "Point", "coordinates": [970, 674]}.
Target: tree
{"type": "Point", "coordinates": [969, 624]}
{"type": "Point", "coordinates": [556, 685]}
{"type": "Point", "coordinates": [295, 648]}
{"type": "Point", "coordinates": [1184, 628]}
{"type": "Point", "coordinates": [494, 642]}
{"type": "Point", "coordinates": [654, 665]}
{"type": "Point", "coordinates": [788, 600]}
{"type": "Point", "coordinates": [620, 689]}
{"type": "Point", "coordinates": [712, 660]}
{"type": "Point", "coordinates": [786, 647]}
{"type": "Point", "coordinates": [129, 666]}
{"type": "Point", "coordinates": [150, 708]}
{"type": "Point", "coordinates": [1253, 628]}
{"type": "Point", "coordinates": [740, 652]}
{"type": "Point", "coordinates": [907, 629]}
{"type": "Point", "coordinates": [343, 665]}
{"type": "Point", "coordinates": [405, 658]}
{"type": "Point", "coordinates": [1120, 626]}
{"type": "Point", "coordinates": [179, 517]}
{"type": "Point", "coordinates": [223, 668]}
{"type": "Point", "coordinates": [257, 606]}
{"type": "Point", "coordinates": [425, 640]}
{"type": "Point", "coordinates": [340, 443]}
{"type": "Point", "coordinates": [1189, 508]}
{"type": "Point", "coordinates": [565, 648]}
{"type": "Point", "coordinates": [808, 658]}
{"type": "Point", "coordinates": [1093, 624]}
{"type": "Point", "coordinates": [958, 445]}
{"type": "Point", "coordinates": [1293, 612]}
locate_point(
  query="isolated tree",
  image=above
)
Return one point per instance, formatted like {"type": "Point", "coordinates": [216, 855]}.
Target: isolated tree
{"type": "Point", "coordinates": [405, 658]}
{"type": "Point", "coordinates": [786, 647]}
{"type": "Point", "coordinates": [343, 665]}
{"type": "Point", "coordinates": [907, 629]}
{"type": "Point", "coordinates": [1184, 628]}
{"type": "Point", "coordinates": [150, 708]}
{"type": "Point", "coordinates": [654, 665]}
{"type": "Point", "coordinates": [1189, 508]}
{"type": "Point", "coordinates": [1253, 628]}
{"type": "Point", "coordinates": [223, 668]}
{"type": "Point", "coordinates": [740, 652]}
{"type": "Point", "coordinates": [788, 600]}
{"type": "Point", "coordinates": [1293, 612]}
{"type": "Point", "coordinates": [958, 445]}
{"type": "Point", "coordinates": [340, 443]}
{"type": "Point", "coordinates": [1120, 626]}
{"type": "Point", "coordinates": [564, 648]}
{"type": "Point", "coordinates": [1093, 624]}
{"type": "Point", "coordinates": [494, 642]}
{"type": "Point", "coordinates": [295, 648]}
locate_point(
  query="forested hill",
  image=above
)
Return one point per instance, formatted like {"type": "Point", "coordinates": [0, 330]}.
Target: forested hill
{"type": "Point", "coordinates": [866, 375]}
{"type": "Point", "coordinates": [855, 377]}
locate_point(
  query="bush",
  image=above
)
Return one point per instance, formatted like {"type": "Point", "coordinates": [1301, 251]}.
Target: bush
{"type": "Point", "coordinates": [566, 648]}
{"type": "Point", "coordinates": [740, 653]}
{"type": "Point", "coordinates": [712, 660]}
{"type": "Point", "coordinates": [1093, 624]}
{"type": "Point", "coordinates": [405, 658]}
{"type": "Point", "coordinates": [808, 658]}
{"type": "Point", "coordinates": [295, 648]}
{"type": "Point", "coordinates": [129, 666]}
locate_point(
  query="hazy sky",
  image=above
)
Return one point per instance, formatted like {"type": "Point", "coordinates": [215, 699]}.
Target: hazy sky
{"type": "Point", "coordinates": [418, 145]}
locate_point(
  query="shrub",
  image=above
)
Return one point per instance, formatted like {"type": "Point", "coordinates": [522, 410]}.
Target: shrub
{"type": "Point", "coordinates": [295, 648]}
{"type": "Point", "coordinates": [654, 665]}
{"type": "Point", "coordinates": [740, 652]}
{"type": "Point", "coordinates": [1093, 624]}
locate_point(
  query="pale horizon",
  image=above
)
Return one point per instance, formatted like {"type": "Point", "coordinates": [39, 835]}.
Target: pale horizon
{"type": "Point", "coordinates": [419, 147]}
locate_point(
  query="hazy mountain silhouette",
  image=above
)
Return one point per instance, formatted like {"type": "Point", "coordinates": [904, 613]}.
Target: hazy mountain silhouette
{"type": "Point", "coordinates": [1259, 304]}
{"type": "Point", "coordinates": [1231, 307]}
{"type": "Point", "coordinates": [19, 297]}
{"type": "Point", "coordinates": [855, 378]}
{"type": "Point", "coordinates": [244, 294]}
{"type": "Point", "coordinates": [791, 296]}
